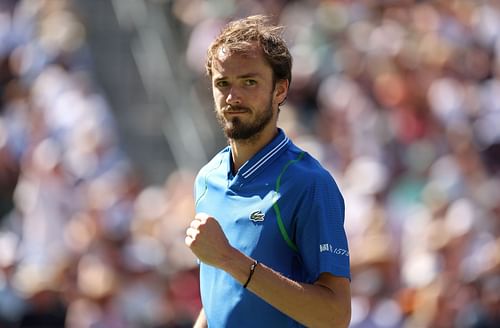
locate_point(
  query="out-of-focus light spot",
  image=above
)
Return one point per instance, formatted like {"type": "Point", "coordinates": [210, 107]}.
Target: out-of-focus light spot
{"type": "Point", "coordinates": [387, 313]}
{"type": "Point", "coordinates": [445, 168]}
{"type": "Point", "coordinates": [460, 217]}
{"type": "Point", "coordinates": [368, 282]}
{"type": "Point", "coordinates": [366, 175]}
{"type": "Point", "coordinates": [425, 18]}
{"type": "Point", "coordinates": [446, 98]}
{"type": "Point", "coordinates": [79, 163]}
{"type": "Point", "coordinates": [222, 8]}
{"type": "Point", "coordinates": [305, 61]}
{"type": "Point", "coordinates": [359, 209]}
{"type": "Point", "coordinates": [486, 21]}
{"type": "Point", "coordinates": [26, 195]}
{"type": "Point", "coordinates": [337, 93]}
{"type": "Point", "coordinates": [79, 232]}
{"type": "Point", "coordinates": [47, 155]}
{"type": "Point", "coordinates": [434, 50]}
{"type": "Point", "coordinates": [102, 193]}
{"type": "Point", "coordinates": [333, 16]}
{"type": "Point", "coordinates": [486, 130]}
{"type": "Point", "coordinates": [390, 89]}
{"type": "Point", "coordinates": [8, 248]}
{"type": "Point", "coordinates": [144, 253]}
{"type": "Point", "coordinates": [202, 35]}
{"type": "Point", "coordinates": [359, 34]}
{"type": "Point", "coordinates": [387, 39]}
{"type": "Point", "coordinates": [150, 204]}
{"type": "Point", "coordinates": [70, 109]}
{"type": "Point", "coordinates": [49, 85]}
{"type": "Point", "coordinates": [30, 279]}
{"type": "Point", "coordinates": [95, 278]}
{"type": "Point", "coordinates": [61, 31]}
{"type": "Point", "coordinates": [360, 309]}
{"type": "Point", "coordinates": [436, 194]}
{"type": "Point", "coordinates": [420, 269]}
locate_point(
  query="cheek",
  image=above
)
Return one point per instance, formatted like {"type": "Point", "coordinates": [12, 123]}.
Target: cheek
{"type": "Point", "coordinates": [218, 97]}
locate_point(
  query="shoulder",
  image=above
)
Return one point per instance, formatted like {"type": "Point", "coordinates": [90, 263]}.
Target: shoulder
{"type": "Point", "coordinates": [308, 178]}
{"type": "Point", "coordinates": [201, 183]}
{"type": "Point", "coordinates": [214, 164]}
{"type": "Point", "coordinates": [306, 169]}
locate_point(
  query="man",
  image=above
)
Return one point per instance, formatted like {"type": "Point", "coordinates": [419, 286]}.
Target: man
{"type": "Point", "coordinates": [269, 230]}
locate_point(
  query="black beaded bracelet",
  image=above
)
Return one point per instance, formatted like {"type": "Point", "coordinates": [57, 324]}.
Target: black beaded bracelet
{"type": "Point", "coordinates": [252, 270]}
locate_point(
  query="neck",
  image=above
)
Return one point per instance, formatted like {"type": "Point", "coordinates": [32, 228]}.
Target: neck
{"type": "Point", "coordinates": [243, 150]}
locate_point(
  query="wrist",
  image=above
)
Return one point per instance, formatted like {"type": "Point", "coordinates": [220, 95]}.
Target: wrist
{"type": "Point", "coordinates": [238, 265]}
{"type": "Point", "coordinates": [230, 259]}
{"type": "Point", "coordinates": [250, 275]}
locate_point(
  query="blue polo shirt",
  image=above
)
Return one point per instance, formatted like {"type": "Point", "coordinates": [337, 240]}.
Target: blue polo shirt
{"type": "Point", "coordinates": [283, 209]}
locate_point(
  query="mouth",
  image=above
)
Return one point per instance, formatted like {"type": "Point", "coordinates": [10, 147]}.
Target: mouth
{"type": "Point", "coordinates": [235, 110]}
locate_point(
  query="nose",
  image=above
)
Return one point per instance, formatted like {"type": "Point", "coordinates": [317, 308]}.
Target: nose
{"type": "Point", "coordinates": [233, 97]}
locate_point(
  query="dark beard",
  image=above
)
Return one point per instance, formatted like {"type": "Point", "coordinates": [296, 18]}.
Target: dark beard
{"type": "Point", "coordinates": [237, 130]}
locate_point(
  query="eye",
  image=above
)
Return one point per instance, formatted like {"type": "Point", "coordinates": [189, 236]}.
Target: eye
{"type": "Point", "coordinates": [249, 82]}
{"type": "Point", "coordinates": [221, 84]}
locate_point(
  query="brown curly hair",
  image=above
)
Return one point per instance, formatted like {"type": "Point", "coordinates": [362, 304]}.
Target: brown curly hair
{"type": "Point", "coordinates": [238, 36]}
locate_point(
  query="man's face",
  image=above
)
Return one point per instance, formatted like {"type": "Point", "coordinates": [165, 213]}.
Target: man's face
{"type": "Point", "coordinates": [246, 100]}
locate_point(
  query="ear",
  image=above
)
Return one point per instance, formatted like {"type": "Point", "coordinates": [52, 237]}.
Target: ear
{"type": "Point", "coordinates": [280, 91]}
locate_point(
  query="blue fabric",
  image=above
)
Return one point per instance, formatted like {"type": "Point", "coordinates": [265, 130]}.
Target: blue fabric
{"type": "Point", "coordinates": [312, 210]}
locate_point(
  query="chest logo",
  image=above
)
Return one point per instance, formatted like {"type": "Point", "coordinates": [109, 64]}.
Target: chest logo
{"type": "Point", "coordinates": [257, 216]}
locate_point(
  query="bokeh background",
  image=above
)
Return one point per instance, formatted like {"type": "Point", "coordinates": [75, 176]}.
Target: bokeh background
{"type": "Point", "coordinates": [106, 115]}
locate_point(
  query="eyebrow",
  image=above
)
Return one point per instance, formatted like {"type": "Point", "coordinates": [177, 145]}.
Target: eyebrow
{"type": "Point", "coordinates": [244, 76]}
{"type": "Point", "coordinates": [249, 75]}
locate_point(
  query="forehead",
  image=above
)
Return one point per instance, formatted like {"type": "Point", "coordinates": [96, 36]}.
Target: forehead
{"type": "Point", "coordinates": [227, 61]}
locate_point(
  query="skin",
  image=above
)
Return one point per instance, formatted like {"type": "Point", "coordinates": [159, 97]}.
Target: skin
{"type": "Point", "coordinates": [243, 93]}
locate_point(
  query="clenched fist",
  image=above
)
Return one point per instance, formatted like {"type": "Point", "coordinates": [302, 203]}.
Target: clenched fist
{"type": "Point", "coordinates": [207, 241]}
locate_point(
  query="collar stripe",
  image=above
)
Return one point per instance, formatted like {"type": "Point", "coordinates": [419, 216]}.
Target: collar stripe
{"type": "Point", "coordinates": [264, 159]}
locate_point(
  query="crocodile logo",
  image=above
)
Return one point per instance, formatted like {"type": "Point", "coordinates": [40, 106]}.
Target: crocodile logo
{"type": "Point", "coordinates": [257, 216]}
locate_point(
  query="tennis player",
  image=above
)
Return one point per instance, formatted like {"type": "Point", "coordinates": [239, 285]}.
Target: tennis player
{"type": "Point", "coordinates": [269, 229]}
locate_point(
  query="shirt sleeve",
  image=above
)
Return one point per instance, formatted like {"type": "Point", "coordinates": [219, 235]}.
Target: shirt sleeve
{"type": "Point", "coordinates": [320, 233]}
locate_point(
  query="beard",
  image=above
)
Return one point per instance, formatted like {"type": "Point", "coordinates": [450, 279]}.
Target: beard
{"type": "Point", "coordinates": [236, 129]}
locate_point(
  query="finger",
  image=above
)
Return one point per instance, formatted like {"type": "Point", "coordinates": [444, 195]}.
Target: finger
{"type": "Point", "coordinates": [195, 224]}
{"type": "Point", "coordinates": [202, 217]}
{"type": "Point", "coordinates": [188, 241]}
{"type": "Point", "coordinates": [191, 232]}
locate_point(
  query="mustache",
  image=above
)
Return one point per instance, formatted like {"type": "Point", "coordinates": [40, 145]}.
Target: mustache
{"type": "Point", "coordinates": [233, 108]}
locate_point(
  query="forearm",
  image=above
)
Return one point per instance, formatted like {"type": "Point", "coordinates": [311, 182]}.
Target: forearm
{"type": "Point", "coordinates": [311, 305]}
{"type": "Point", "coordinates": [201, 321]}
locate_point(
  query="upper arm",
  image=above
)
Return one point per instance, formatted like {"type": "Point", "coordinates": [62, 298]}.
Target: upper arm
{"type": "Point", "coordinates": [320, 233]}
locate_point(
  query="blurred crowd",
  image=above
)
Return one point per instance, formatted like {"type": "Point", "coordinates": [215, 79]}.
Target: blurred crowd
{"type": "Point", "coordinates": [82, 242]}
{"type": "Point", "coordinates": [399, 99]}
